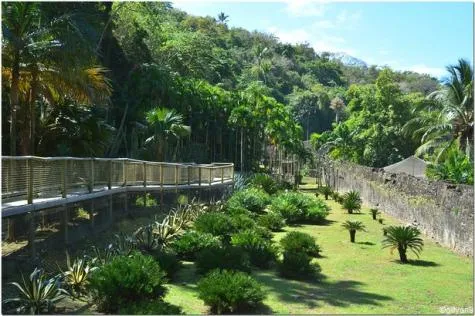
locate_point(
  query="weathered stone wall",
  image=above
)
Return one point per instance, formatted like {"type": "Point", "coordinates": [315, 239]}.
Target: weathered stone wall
{"type": "Point", "coordinates": [441, 210]}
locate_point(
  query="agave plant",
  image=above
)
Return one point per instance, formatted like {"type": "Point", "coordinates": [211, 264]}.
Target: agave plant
{"type": "Point", "coordinates": [264, 182]}
{"type": "Point", "coordinates": [374, 212]}
{"type": "Point", "coordinates": [124, 244]}
{"type": "Point", "coordinates": [77, 274]}
{"type": "Point", "coordinates": [145, 238]}
{"type": "Point", "coordinates": [352, 202]}
{"type": "Point", "coordinates": [37, 294]}
{"type": "Point", "coordinates": [353, 227]}
{"type": "Point", "coordinates": [103, 256]}
{"type": "Point", "coordinates": [403, 238]}
{"type": "Point", "coordinates": [240, 182]}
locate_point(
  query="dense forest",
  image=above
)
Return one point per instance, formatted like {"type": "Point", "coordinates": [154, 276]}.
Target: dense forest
{"type": "Point", "coordinates": [145, 80]}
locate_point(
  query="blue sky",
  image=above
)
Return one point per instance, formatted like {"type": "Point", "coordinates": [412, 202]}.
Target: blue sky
{"type": "Point", "coordinates": [422, 37]}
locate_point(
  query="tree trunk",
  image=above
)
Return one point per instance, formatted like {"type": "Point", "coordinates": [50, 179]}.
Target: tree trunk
{"type": "Point", "coordinates": [34, 90]}
{"type": "Point", "coordinates": [14, 101]}
{"type": "Point", "coordinates": [352, 235]}
{"type": "Point", "coordinates": [242, 149]}
{"type": "Point", "coordinates": [402, 254]}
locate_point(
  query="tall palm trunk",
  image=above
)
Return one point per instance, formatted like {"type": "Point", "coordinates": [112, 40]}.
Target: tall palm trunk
{"type": "Point", "coordinates": [14, 100]}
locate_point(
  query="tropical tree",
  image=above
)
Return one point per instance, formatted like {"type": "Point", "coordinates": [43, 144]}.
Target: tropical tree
{"type": "Point", "coordinates": [353, 227]}
{"type": "Point", "coordinates": [452, 122]}
{"type": "Point", "coordinates": [222, 18]}
{"type": "Point", "coordinates": [403, 238]}
{"type": "Point", "coordinates": [338, 106]}
{"type": "Point", "coordinates": [352, 202]}
{"type": "Point", "coordinates": [166, 125]}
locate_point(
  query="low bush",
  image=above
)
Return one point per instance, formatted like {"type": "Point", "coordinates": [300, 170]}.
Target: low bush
{"type": "Point", "coordinates": [272, 220]}
{"type": "Point", "coordinates": [326, 191]}
{"type": "Point", "coordinates": [216, 224]}
{"type": "Point", "coordinates": [156, 307]}
{"type": "Point", "coordinates": [252, 199]}
{"type": "Point", "coordinates": [146, 200]}
{"type": "Point", "coordinates": [301, 243]}
{"type": "Point", "coordinates": [168, 261]}
{"type": "Point", "coordinates": [337, 197]}
{"type": "Point", "coordinates": [191, 242]}
{"type": "Point", "coordinates": [260, 250]}
{"type": "Point", "coordinates": [297, 207]}
{"type": "Point", "coordinates": [298, 265]}
{"type": "Point", "coordinates": [265, 182]}
{"type": "Point", "coordinates": [232, 258]}
{"type": "Point", "coordinates": [125, 280]}
{"type": "Point", "coordinates": [230, 292]}
{"type": "Point", "coordinates": [242, 222]}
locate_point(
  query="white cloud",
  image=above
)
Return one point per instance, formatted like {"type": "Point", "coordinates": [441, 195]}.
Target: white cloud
{"type": "Point", "coordinates": [305, 8]}
{"type": "Point", "coordinates": [319, 41]}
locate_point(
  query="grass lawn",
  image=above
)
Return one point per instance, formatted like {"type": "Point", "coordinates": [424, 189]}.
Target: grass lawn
{"type": "Point", "coordinates": [357, 278]}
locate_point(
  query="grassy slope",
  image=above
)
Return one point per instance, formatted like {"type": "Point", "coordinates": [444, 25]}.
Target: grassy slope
{"type": "Point", "coordinates": [358, 278]}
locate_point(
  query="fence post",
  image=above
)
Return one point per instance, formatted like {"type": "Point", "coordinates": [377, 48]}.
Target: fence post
{"type": "Point", "coordinates": [210, 171]}
{"type": "Point", "coordinates": [144, 175]}
{"type": "Point", "coordinates": [124, 171]}
{"type": "Point", "coordinates": [199, 176]}
{"type": "Point", "coordinates": [176, 178]}
{"type": "Point", "coordinates": [91, 188]}
{"type": "Point", "coordinates": [222, 174]}
{"type": "Point", "coordinates": [188, 168]}
{"type": "Point", "coordinates": [29, 168]}
{"type": "Point", "coordinates": [64, 178]}
{"type": "Point", "coordinates": [161, 176]}
{"type": "Point", "coordinates": [109, 182]}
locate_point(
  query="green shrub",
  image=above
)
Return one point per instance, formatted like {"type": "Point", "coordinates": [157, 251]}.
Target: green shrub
{"type": "Point", "coordinates": [125, 280]}
{"type": "Point", "coordinates": [168, 261]}
{"type": "Point", "coordinates": [230, 292]}
{"type": "Point", "coordinates": [192, 242]}
{"type": "Point", "coordinates": [216, 224]}
{"type": "Point", "coordinates": [252, 199]}
{"type": "Point", "coordinates": [297, 207]}
{"type": "Point", "coordinates": [232, 258]}
{"type": "Point", "coordinates": [242, 222]}
{"type": "Point", "coordinates": [337, 197]}
{"type": "Point", "coordinates": [301, 243]}
{"type": "Point", "coordinates": [260, 250]}
{"type": "Point", "coordinates": [265, 182]}
{"type": "Point", "coordinates": [156, 307]}
{"type": "Point", "coordinates": [298, 265]}
{"type": "Point", "coordinates": [272, 220]}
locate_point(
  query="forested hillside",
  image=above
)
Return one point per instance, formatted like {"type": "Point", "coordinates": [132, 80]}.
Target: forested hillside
{"type": "Point", "coordinates": [145, 80]}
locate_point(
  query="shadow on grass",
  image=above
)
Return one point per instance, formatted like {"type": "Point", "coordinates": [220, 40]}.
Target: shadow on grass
{"type": "Point", "coordinates": [419, 263]}
{"type": "Point", "coordinates": [367, 243]}
{"type": "Point", "coordinates": [314, 293]}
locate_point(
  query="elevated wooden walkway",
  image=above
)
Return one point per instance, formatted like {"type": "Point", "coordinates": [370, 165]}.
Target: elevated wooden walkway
{"type": "Point", "coordinates": [35, 183]}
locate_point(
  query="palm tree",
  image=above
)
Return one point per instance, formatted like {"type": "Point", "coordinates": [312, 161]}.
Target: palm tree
{"type": "Point", "coordinates": [403, 238]}
{"type": "Point", "coordinates": [338, 106]}
{"type": "Point", "coordinates": [374, 212]}
{"type": "Point", "coordinates": [353, 227]}
{"type": "Point", "coordinates": [222, 18]}
{"type": "Point", "coordinates": [454, 120]}
{"type": "Point", "coordinates": [43, 62]}
{"type": "Point", "coordinates": [352, 202]}
{"type": "Point", "coordinates": [166, 124]}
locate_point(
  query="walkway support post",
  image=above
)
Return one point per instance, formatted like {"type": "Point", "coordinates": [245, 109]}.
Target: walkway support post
{"type": "Point", "coordinates": [176, 178]}
{"type": "Point", "coordinates": [91, 180]}
{"type": "Point", "coordinates": [109, 182]}
{"type": "Point", "coordinates": [210, 175]}
{"type": "Point", "coordinates": [64, 178]}
{"type": "Point", "coordinates": [29, 168]}
{"type": "Point", "coordinates": [199, 176]}
{"type": "Point", "coordinates": [188, 168]}
{"type": "Point", "coordinates": [124, 171]}
{"type": "Point", "coordinates": [144, 175]}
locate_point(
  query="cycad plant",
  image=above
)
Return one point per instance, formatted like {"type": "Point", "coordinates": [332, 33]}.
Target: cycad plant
{"type": "Point", "coordinates": [352, 202]}
{"type": "Point", "coordinates": [374, 212]}
{"type": "Point", "coordinates": [326, 191]}
{"type": "Point", "coordinates": [403, 238]}
{"type": "Point", "coordinates": [353, 227]}
{"type": "Point", "coordinates": [37, 294]}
